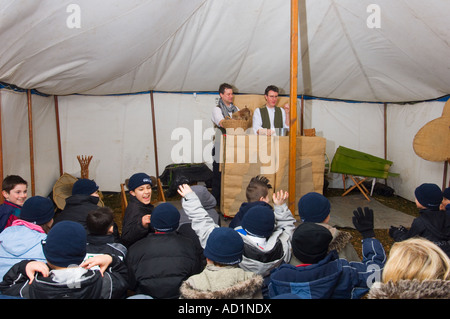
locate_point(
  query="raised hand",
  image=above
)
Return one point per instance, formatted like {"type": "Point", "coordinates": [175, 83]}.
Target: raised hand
{"type": "Point", "coordinates": [280, 197]}
{"type": "Point", "coordinates": [363, 221]}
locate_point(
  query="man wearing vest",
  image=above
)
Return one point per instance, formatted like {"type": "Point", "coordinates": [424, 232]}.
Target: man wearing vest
{"type": "Point", "coordinates": [225, 108]}
{"type": "Point", "coordinates": [270, 116]}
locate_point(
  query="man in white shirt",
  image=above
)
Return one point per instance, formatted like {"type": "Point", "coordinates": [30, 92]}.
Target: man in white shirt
{"type": "Point", "coordinates": [225, 108]}
{"type": "Point", "coordinates": [270, 116]}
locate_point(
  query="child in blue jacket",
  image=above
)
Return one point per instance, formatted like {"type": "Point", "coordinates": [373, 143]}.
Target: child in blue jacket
{"type": "Point", "coordinates": [322, 274]}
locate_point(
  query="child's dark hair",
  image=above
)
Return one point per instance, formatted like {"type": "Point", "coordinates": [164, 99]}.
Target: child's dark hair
{"type": "Point", "coordinates": [11, 181]}
{"type": "Point", "coordinates": [99, 221]}
{"type": "Point", "coordinates": [258, 187]}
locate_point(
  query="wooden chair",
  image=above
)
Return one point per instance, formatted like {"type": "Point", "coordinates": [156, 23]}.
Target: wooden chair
{"type": "Point", "coordinates": [160, 197]}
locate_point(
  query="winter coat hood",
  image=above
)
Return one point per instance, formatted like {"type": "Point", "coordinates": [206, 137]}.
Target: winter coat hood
{"type": "Point", "coordinates": [411, 289]}
{"type": "Point", "coordinates": [19, 240]}
{"type": "Point", "coordinates": [69, 283]}
{"type": "Point", "coordinates": [18, 243]}
{"type": "Point", "coordinates": [222, 283]}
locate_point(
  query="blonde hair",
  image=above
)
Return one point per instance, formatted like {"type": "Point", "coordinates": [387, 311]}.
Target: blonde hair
{"type": "Point", "coordinates": [416, 258]}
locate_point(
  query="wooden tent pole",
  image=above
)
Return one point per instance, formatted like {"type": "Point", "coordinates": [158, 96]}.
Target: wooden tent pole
{"type": "Point", "coordinates": [154, 133]}
{"type": "Point", "coordinates": [444, 182]}
{"type": "Point", "coordinates": [1, 147]}
{"type": "Point", "coordinates": [58, 134]}
{"type": "Point", "coordinates": [302, 110]}
{"type": "Point", "coordinates": [385, 130]}
{"type": "Point", "coordinates": [30, 135]}
{"type": "Point", "coordinates": [293, 104]}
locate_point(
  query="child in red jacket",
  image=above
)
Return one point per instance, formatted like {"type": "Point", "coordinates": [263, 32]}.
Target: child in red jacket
{"type": "Point", "coordinates": [14, 191]}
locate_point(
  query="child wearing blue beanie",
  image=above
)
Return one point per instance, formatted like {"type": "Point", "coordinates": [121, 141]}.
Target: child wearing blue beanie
{"type": "Point", "coordinates": [432, 223]}
{"type": "Point", "coordinates": [160, 262]}
{"type": "Point", "coordinates": [222, 278]}
{"type": "Point", "coordinates": [65, 274]}
{"type": "Point", "coordinates": [136, 220]}
{"type": "Point", "coordinates": [315, 208]}
{"type": "Point", "coordinates": [266, 233]}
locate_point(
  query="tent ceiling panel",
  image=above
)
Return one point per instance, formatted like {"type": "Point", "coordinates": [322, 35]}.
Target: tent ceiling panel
{"type": "Point", "coordinates": [174, 45]}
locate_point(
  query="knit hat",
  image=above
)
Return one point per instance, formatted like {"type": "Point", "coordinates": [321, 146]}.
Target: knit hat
{"type": "Point", "coordinates": [259, 221]}
{"type": "Point", "coordinates": [165, 217]}
{"type": "Point", "coordinates": [446, 193]}
{"type": "Point", "coordinates": [224, 246]}
{"type": "Point", "coordinates": [38, 210]}
{"type": "Point", "coordinates": [429, 196]}
{"type": "Point", "coordinates": [310, 242]}
{"type": "Point", "coordinates": [84, 186]}
{"type": "Point", "coordinates": [137, 180]}
{"type": "Point", "coordinates": [313, 207]}
{"type": "Point", "coordinates": [65, 244]}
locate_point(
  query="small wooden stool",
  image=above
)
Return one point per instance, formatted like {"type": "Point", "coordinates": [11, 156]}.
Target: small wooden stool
{"type": "Point", "coordinates": [358, 183]}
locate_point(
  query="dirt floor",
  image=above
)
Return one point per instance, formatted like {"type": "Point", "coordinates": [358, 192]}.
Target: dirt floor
{"type": "Point", "coordinates": [395, 202]}
{"type": "Point", "coordinates": [113, 201]}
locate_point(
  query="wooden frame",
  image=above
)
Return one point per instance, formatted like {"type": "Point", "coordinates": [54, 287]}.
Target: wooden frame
{"type": "Point", "coordinates": [358, 183]}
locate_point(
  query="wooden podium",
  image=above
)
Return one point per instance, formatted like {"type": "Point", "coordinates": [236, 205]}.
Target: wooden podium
{"type": "Point", "coordinates": [246, 156]}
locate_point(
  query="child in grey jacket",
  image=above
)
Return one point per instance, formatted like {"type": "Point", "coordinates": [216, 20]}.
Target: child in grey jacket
{"type": "Point", "coordinates": [266, 233]}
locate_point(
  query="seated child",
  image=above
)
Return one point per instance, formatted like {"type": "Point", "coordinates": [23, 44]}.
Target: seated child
{"type": "Point", "coordinates": [65, 275]}
{"type": "Point", "coordinates": [209, 203]}
{"type": "Point", "coordinates": [315, 208]}
{"type": "Point", "coordinates": [257, 194]}
{"type": "Point", "coordinates": [432, 223]}
{"type": "Point", "coordinates": [22, 240]}
{"type": "Point", "coordinates": [84, 198]}
{"type": "Point", "coordinates": [266, 233]}
{"type": "Point", "coordinates": [100, 238]}
{"type": "Point", "coordinates": [415, 269]}
{"type": "Point", "coordinates": [136, 220]}
{"type": "Point", "coordinates": [322, 274]}
{"type": "Point", "coordinates": [223, 278]}
{"type": "Point", "coordinates": [14, 191]}
{"type": "Point", "coordinates": [161, 261]}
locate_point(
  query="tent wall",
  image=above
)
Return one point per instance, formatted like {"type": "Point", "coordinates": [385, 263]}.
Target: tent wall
{"type": "Point", "coordinates": [117, 131]}
{"type": "Point", "coordinates": [360, 126]}
{"type": "Point", "coordinates": [15, 140]}
{"type": "Point", "coordinates": [404, 121]}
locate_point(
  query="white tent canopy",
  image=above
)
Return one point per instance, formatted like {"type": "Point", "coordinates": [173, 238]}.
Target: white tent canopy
{"type": "Point", "coordinates": [83, 51]}
{"type": "Point", "coordinates": [176, 45]}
